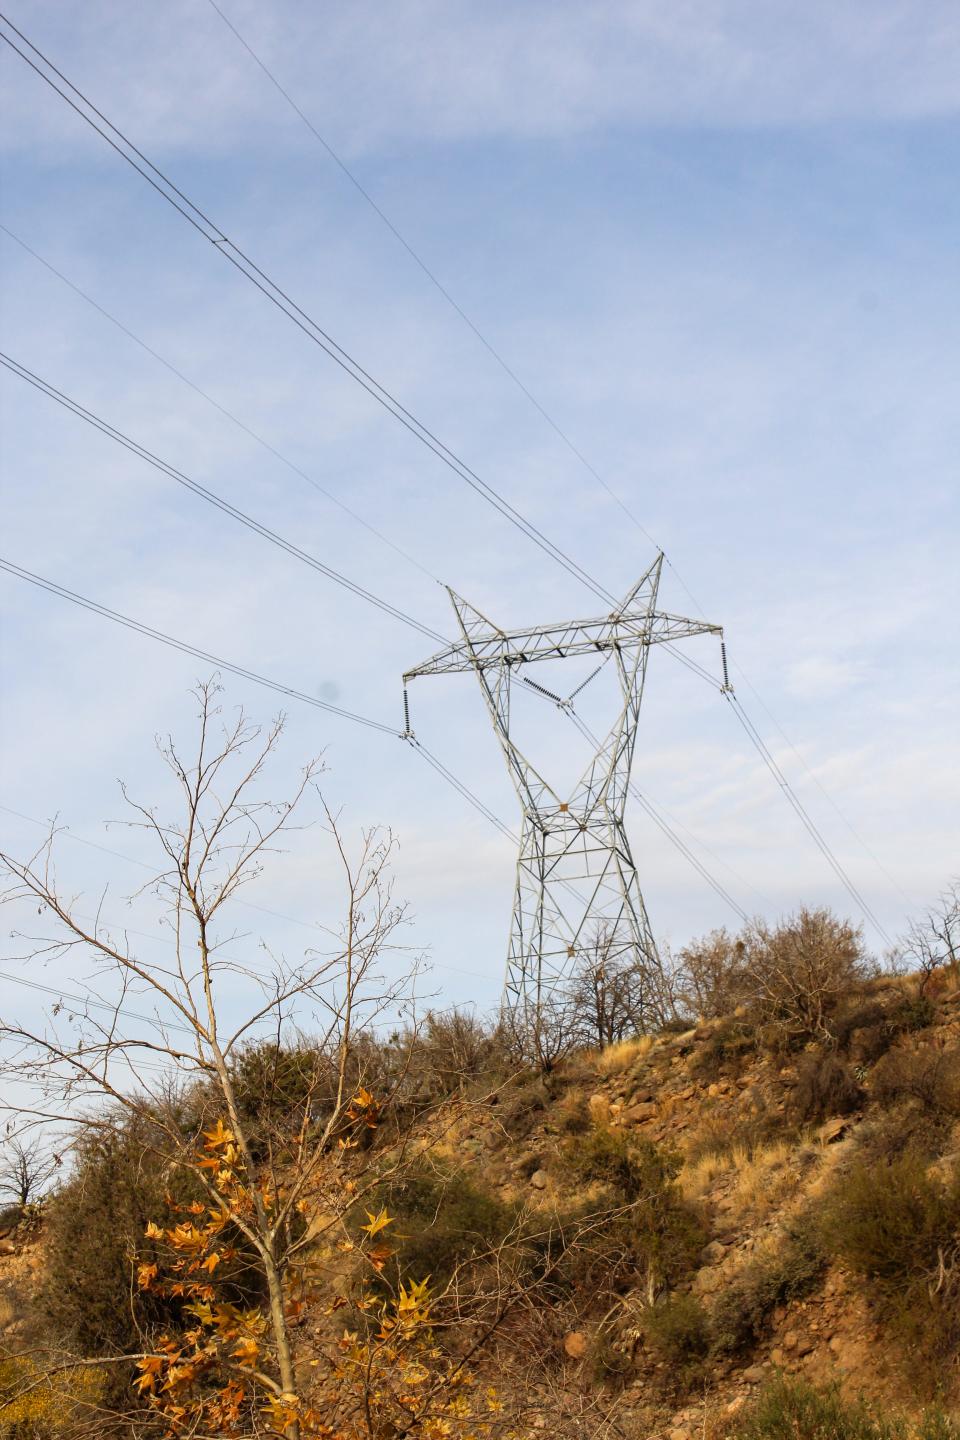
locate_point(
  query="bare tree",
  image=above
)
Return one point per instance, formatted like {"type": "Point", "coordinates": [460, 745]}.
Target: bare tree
{"type": "Point", "coordinates": [796, 972]}
{"type": "Point", "coordinates": [615, 992]}
{"type": "Point", "coordinates": [712, 979]}
{"type": "Point", "coordinates": [932, 941]}
{"type": "Point", "coordinates": [272, 1205]}
{"type": "Point", "coordinates": [26, 1169]}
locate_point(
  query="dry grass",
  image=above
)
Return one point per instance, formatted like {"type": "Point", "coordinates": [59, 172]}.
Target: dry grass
{"type": "Point", "coordinates": [762, 1175]}
{"type": "Point", "coordinates": [619, 1057]}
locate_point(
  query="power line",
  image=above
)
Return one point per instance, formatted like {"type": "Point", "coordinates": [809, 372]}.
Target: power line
{"type": "Point", "coordinates": [64, 996]}
{"type": "Point", "coordinates": [246, 904]}
{"type": "Point", "coordinates": [662, 824]}
{"type": "Point", "coordinates": [227, 414]}
{"type": "Point", "coordinates": [210, 496]}
{"type": "Point", "coordinates": [181, 645]}
{"type": "Point", "coordinates": [805, 819]}
{"type": "Point", "coordinates": [537, 404]}
{"type": "Point", "coordinates": [283, 302]}
{"type": "Point", "coordinates": [430, 275]}
{"type": "Point", "coordinates": [278, 297]}
{"type": "Point", "coordinates": [417, 744]}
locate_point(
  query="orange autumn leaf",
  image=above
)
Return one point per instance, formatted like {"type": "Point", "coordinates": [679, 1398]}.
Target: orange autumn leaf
{"type": "Point", "coordinates": [246, 1351]}
{"type": "Point", "coordinates": [218, 1136]}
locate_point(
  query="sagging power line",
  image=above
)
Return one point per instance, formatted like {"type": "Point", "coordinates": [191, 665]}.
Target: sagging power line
{"type": "Point", "coordinates": [210, 496]}
{"type": "Point", "coordinates": [200, 222]}
{"type": "Point", "coordinates": [278, 297]}
{"type": "Point", "coordinates": [537, 403]}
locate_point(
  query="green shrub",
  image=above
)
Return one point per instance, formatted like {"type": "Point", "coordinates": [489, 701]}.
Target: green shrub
{"type": "Point", "coordinates": [791, 1409]}
{"type": "Point", "coordinates": [726, 1049]}
{"type": "Point", "coordinates": [677, 1329]}
{"type": "Point", "coordinates": [896, 1224]}
{"type": "Point", "coordinates": [866, 1032]}
{"type": "Point", "coordinates": [885, 1221]}
{"type": "Point", "coordinates": [94, 1239]}
{"type": "Point", "coordinates": [788, 1408]}
{"type": "Point", "coordinates": [741, 1314]}
{"type": "Point", "coordinates": [653, 1232]}
{"type": "Point", "coordinates": [440, 1221]}
{"type": "Point", "coordinates": [631, 1167]}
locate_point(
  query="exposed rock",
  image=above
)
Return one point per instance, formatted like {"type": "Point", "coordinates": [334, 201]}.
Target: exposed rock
{"type": "Point", "coordinates": [539, 1179]}
{"type": "Point", "coordinates": [575, 1344]}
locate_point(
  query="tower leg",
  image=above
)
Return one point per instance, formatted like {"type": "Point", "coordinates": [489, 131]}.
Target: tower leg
{"type": "Point", "coordinates": [576, 883]}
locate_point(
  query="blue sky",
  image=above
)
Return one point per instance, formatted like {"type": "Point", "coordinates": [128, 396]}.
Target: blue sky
{"type": "Point", "coordinates": [717, 241]}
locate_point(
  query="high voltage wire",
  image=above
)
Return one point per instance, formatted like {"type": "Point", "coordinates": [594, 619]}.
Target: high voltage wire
{"type": "Point", "coordinates": [660, 822]}
{"type": "Point", "coordinates": [228, 414]}
{"type": "Point", "coordinates": [524, 388]}
{"type": "Point", "coordinates": [821, 844]}
{"type": "Point", "coordinates": [246, 904]}
{"type": "Point", "coordinates": [210, 496]}
{"type": "Point", "coordinates": [182, 645]}
{"type": "Point", "coordinates": [283, 302]}
{"type": "Point", "coordinates": [204, 226]}
{"type": "Point", "coordinates": [416, 744]}
{"type": "Point", "coordinates": [431, 276]}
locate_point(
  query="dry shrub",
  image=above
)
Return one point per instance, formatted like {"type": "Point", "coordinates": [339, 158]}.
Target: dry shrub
{"type": "Point", "coordinates": [928, 1078]}
{"type": "Point", "coordinates": [824, 1086]}
{"type": "Point", "coordinates": [802, 969]}
{"type": "Point", "coordinates": [793, 976]}
{"type": "Point", "coordinates": [712, 975]}
{"type": "Point", "coordinates": [741, 1314]}
{"type": "Point", "coordinates": [458, 1049]}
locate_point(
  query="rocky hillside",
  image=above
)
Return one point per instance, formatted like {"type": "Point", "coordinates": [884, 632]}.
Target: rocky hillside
{"type": "Point", "coordinates": [789, 1209]}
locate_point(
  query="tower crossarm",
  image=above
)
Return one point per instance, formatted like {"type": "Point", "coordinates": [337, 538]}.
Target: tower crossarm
{"type": "Point", "coordinates": [552, 642]}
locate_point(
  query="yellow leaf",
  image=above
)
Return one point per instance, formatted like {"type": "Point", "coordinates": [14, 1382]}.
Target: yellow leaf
{"type": "Point", "coordinates": [211, 1262]}
{"type": "Point", "coordinates": [153, 1232]}
{"type": "Point", "coordinates": [378, 1222]}
{"type": "Point", "coordinates": [218, 1136]}
{"type": "Point", "coordinates": [146, 1274]}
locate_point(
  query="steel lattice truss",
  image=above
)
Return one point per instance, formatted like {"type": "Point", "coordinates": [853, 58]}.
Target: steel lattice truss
{"type": "Point", "coordinates": [576, 880]}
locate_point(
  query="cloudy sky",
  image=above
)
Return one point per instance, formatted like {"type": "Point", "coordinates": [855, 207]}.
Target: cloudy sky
{"type": "Point", "coordinates": [716, 241]}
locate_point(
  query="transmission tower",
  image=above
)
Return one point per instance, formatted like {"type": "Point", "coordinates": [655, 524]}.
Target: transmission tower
{"type": "Point", "coordinates": [576, 881]}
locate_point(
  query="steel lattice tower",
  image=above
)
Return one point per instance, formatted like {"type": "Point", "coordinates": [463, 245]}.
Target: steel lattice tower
{"type": "Point", "coordinates": [575, 873]}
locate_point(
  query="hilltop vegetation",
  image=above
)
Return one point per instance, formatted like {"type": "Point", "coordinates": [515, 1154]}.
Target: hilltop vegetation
{"type": "Point", "coordinates": [715, 1193]}
{"type": "Point", "coordinates": [749, 1224]}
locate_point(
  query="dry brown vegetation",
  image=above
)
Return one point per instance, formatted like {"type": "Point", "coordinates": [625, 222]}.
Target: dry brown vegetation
{"type": "Point", "coordinates": [743, 1222]}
